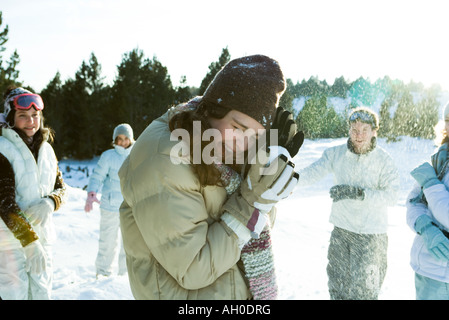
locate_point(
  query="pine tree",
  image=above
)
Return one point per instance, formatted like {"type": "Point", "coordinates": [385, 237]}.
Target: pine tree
{"type": "Point", "coordinates": [214, 67]}
{"type": "Point", "coordinates": [339, 88]}
{"type": "Point", "coordinates": [142, 91]}
{"type": "Point", "coordinates": [428, 110]}
{"type": "Point", "coordinates": [313, 87]}
{"type": "Point", "coordinates": [286, 100]}
{"type": "Point", "coordinates": [76, 110]}
{"type": "Point", "coordinates": [184, 92]}
{"type": "Point", "coordinates": [385, 120]}
{"type": "Point", "coordinates": [8, 73]}
{"type": "Point", "coordinates": [54, 111]}
{"type": "Point", "coordinates": [405, 119]}
{"type": "Point", "coordinates": [361, 92]}
{"type": "Point", "coordinates": [317, 120]}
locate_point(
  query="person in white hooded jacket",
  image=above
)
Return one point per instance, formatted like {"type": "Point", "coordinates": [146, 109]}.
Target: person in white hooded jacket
{"type": "Point", "coordinates": [105, 175]}
{"type": "Point", "coordinates": [31, 189]}
{"type": "Point", "coordinates": [428, 216]}
{"type": "Point", "coordinates": [366, 182]}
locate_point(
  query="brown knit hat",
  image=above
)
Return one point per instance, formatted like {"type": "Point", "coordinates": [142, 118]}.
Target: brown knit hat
{"type": "Point", "coordinates": [252, 85]}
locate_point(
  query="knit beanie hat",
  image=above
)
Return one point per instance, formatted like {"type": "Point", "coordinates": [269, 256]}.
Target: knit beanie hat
{"type": "Point", "coordinates": [252, 85]}
{"type": "Point", "coordinates": [365, 115]}
{"type": "Point", "coordinates": [124, 129]}
{"type": "Point", "coordinates": [7, 106]}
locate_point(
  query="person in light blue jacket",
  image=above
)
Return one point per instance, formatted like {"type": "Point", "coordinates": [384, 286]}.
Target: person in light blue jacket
{"type": "Point", "coordinates": [428, 216]}
{"type": "Point", "coordinates": [105, 175]}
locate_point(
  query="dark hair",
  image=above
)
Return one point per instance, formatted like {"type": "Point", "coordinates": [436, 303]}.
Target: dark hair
{"type": "Point", "coordinates": [116, 139]}
{"type": "Point", "coordinates": [43, 134]}
{"type": "Point", "coordinates": [208, 174]}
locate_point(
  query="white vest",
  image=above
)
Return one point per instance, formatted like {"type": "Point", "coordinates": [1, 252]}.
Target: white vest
{"type": "Point", "coordinates": [32, 181]}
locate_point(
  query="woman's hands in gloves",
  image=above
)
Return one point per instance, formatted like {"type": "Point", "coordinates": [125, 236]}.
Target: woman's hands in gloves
{"type": "Point", "coordinates": [287, 135]}
{"type": "Point", "coordinates": [91, 198]}
{"type": "Point", "coordinates": [435, 240]}
{"type": "Point", "coordinates": [266, 184]}
{"type": "Point", "coordinates": [36, 258]}
{"type": "Point", "coordinates": [39, 212]}
{"type": "Point", "coordinates": [268, 181]}
{"type": "Point", "coordinates": [281, 138]}
{"type": "Point", "coordinates": [425, 175]}
{"type": "Point", "coordinates": [344, 191]}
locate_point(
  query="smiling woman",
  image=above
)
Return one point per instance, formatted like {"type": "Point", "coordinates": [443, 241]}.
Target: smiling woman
{"type": "Point", "coordinates": [27, 121]}
{"type": "Point", "coordinates": [31, 188]}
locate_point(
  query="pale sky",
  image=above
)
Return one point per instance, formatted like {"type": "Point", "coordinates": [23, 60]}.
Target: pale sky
{"type": "Point", "coordinates": [404, 39]}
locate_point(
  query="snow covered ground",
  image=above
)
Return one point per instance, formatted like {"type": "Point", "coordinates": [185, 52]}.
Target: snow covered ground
{"type": "Point", "coordinates": [300, 236]}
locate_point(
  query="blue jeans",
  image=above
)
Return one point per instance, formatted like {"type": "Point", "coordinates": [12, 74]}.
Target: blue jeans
{"type": "Point", "coordinates": [429, 289]}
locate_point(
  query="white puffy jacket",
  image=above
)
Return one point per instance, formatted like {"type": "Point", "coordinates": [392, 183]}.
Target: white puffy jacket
{"type": "Point", "coordinates": [105, 174]}
{"type": "Point", "coordinates": [374, 171]}
{"type": "Point", "coordinates": [421, 260]}
{"type": "Point", "coordinates": [33, 181]}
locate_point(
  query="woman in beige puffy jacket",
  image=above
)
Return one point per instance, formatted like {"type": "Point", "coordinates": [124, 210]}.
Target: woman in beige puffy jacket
{"type": "Point", "coordinates": [187, 224]}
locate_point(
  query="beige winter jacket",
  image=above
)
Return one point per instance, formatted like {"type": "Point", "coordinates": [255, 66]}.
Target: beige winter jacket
{"type": "Point", "coordinates": [176, 245]}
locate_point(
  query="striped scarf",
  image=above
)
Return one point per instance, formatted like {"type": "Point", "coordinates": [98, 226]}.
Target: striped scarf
{"type": "Point", "coordinates": [257, 257]}
{"type": "Point", "coordinates": [257, 254]}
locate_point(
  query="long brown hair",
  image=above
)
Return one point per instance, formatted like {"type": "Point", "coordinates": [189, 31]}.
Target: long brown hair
{"type": "Point", "coordinates": [208, 174]}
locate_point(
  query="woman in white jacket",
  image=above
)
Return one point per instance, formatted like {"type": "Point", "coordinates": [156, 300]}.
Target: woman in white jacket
{"type": "Point", "coordinates": [105, 174]}
{"type": "Point", "coordinates": [31, 188]}
{"type": "Point", "coordinates": [428, 216]}
{"type": "Point", "coordinates": [366, 182]}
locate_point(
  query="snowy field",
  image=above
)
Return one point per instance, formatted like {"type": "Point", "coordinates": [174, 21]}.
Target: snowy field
{"type": "Point", "coordinates": [300, 236]}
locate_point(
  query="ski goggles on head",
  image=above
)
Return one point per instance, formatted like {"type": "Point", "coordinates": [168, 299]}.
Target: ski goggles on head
{"type": "Point", "coordinates": [362, 116]}
{"type": "Point", "coordinates": [27, 100]}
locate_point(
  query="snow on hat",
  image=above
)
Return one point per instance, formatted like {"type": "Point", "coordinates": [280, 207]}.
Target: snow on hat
{"type": "Point", "coordinates": [365, 115]}
{"type": "Point", "coordinates": [124, 129]}
{"type": "Point", "coordinates": [10, 97]}
{"type": "Point", "coordinates": [252, 85]}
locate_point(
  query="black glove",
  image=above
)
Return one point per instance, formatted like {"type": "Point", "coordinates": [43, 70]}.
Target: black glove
{"type": "Point", "coordinates": [344, 191]}
{"type": "Point", "coordinates": [288, 137]}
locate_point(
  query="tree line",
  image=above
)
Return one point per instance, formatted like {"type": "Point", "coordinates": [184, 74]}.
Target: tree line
{"type": "Point", "coordinates": [404, 109]}
{"type": "Point", "coordinates": [84, 110]}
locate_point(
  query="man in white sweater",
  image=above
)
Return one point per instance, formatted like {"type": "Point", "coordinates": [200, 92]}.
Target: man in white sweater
{"type": "Point", "coordinates": [366, 181]}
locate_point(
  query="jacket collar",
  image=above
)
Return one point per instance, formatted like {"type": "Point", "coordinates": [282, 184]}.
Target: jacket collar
{"type": "Point", "coordinates": [122, 151]}
{"type": "Point", "coordinates": [371, 148]}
